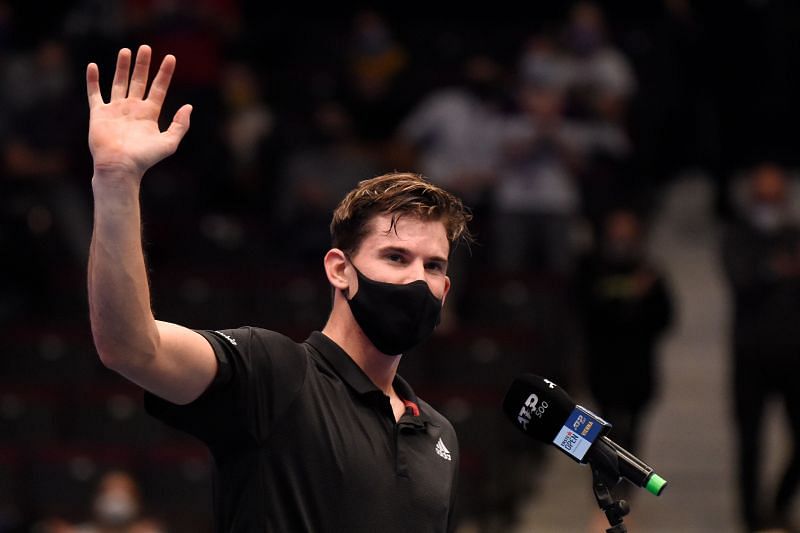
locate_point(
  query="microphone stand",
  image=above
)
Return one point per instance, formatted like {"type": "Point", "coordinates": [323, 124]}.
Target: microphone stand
{"type": "Point", "coordinates": [614, 510]}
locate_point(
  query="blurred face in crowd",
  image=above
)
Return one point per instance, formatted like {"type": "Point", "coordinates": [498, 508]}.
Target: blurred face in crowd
{"type": "Point", "coordinates": [117, 499]}
{"type": "Point", "coordinates": [769, 185]}
{"type": "Point", "coordinates": [333, 123]}
{"type": "Point", "coordinates": [482, 77]}
{"type": "Point", "coordinates": [240, 86]}
{"type": "Point", "coordinates": [586, 32]}
{"type": "Point", "coordinates": [543, 103]}
{"type": "Point", "coordinates": [623, 236]}
{"type": "Point", "coordinates": [768, 194]}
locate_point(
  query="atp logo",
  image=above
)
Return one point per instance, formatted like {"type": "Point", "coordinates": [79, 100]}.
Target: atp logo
{"type": "Point", "coordinates": [532, 407]}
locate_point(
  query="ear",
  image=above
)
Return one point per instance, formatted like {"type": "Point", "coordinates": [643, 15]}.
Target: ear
{"type": "Point", "coordinates": [335, 268]}
{"type": "Point", "coordinates": [446, 289]}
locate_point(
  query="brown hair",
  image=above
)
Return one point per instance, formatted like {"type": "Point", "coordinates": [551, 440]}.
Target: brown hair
{"type": "Point", "coordinates": [397, 194]}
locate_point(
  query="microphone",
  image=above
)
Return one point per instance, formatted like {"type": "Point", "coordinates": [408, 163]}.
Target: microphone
{"type": "Point", "coordinates": [543, 410]}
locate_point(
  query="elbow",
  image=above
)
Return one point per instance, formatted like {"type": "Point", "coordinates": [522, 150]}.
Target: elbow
{"type": "Point", "coordinates": [108, 358]}
{"type": "Point", "coordinates": [105, 348]}
{"type": "Point", "coordinates": [110, 355]}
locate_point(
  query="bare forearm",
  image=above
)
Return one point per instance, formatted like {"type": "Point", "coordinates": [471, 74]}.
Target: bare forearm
{"type": "Point", "coordinates": [119, 297]}
{"type": "Point", "coordinates": [125, 140]}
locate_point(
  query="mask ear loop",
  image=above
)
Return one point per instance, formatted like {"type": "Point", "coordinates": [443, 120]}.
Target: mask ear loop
{"type": "Point", "coordinates": [349, 260]}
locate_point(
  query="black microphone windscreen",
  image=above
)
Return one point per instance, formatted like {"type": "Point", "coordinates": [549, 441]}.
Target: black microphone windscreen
{"type": "Point", "coordinates": [537, 406]}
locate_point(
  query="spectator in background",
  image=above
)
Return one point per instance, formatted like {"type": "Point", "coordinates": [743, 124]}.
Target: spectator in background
{"type": "Point", "coordinates": [625, 307]}
{"type": "Point", "coordinates": [602, 80]}
{"type": "Point", "coordinates": [317, 176]}
{"type": "Point", "coordinates": [44, 216]}
{"type": "Point", "coordinates": [375, 92]}
{"type": "Point", "coordinates": [452, 135]}
{"type": "Point", "coordinates": [536, 198]}
{"type": "Point", "coordinates": [94, 25]}
{"type": "Point", "coordinates": [38, 157]}
{"type": "Point", "coordinates": [555, 163]}
{"type": "Point", "coordinates": [200, 32]}
{"type": "Point", "coordinates": [116, 508]}
{"type": "Point", "coordinates": [761, 254]}
{"type": "Point", "coordinates": [250, 140]}
{"type": "Point", "coordinates": [543, 61]}
{"type": "Point", "coordinates": [602, 178]}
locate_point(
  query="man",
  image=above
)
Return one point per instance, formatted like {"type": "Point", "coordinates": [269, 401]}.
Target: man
{"type": "Point", "coordinates": [626, 307]}
{"type": "Point", "coordinates": [316, 436]}
{"type": "Point", "coordinates": [117, 507]}
{"type": "Point", "coordinates": [761, 256]}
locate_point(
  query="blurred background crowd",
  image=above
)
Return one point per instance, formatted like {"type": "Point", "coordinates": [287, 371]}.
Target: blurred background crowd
{"type": "Point", "coordinates": [562, 126]}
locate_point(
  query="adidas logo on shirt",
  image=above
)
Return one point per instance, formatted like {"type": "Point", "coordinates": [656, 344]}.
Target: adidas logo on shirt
{"type": "Point", "coordinates": [230, 339]}
{"type": "Point", "coordinates": [442, 450]}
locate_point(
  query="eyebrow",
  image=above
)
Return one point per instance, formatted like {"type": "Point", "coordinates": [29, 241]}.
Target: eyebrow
{"type": "Point", "coordinates": [406, 251]}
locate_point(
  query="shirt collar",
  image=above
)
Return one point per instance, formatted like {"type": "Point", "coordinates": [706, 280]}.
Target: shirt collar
{"type": "Point", "coordinates": [352, 374]}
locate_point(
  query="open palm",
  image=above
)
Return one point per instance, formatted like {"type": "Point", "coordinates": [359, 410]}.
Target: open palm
{"type": "Point", "coordinates": [123, 134]}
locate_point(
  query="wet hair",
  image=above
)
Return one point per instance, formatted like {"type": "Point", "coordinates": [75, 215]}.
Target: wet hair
{"type": "Point", "coordinates": [397, 194]}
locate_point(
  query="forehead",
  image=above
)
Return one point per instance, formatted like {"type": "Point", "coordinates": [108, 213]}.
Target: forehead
{"type": "Point", "coordinates": [409, 231]}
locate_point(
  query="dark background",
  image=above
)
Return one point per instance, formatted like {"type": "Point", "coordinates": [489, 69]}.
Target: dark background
{"type": "Point", "coordinates": [716, 90]}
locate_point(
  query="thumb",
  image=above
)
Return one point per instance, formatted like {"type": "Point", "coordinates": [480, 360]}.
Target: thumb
{"type": "Point", "coordinates": [179, 126]}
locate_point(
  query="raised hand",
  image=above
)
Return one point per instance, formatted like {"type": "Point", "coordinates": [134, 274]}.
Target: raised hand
{"type": "Point", "coordinates": [124, 137]}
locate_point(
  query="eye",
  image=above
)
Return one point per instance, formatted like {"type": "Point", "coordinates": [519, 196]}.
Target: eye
{"type": "Point", "coordinates": [395, 258]}
{"type": "Point", "coordinates": [436, 266]}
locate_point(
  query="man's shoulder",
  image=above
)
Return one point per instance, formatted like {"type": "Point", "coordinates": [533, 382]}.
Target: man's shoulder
{"type": "Point", "coordinates": [251, 348]}
{"type": "Point", "coordinates": [249, 335]}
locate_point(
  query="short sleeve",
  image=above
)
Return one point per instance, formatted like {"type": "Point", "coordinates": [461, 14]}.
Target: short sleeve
{"type": "Point", "coordinates": [259, 373]}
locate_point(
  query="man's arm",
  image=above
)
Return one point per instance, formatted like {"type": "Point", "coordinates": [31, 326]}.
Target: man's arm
{"type": "Point", "coordinates": [168, 360]}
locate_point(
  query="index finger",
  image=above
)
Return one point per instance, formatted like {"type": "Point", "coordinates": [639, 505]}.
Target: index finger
{"type": "Point", "coordinates": [93, 85]}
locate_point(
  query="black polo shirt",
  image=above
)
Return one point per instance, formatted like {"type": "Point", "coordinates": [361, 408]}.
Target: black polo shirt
{"type": "Point", "coordinates": [302, 440]}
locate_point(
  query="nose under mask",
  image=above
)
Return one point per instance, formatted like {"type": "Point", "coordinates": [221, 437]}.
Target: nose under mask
{"type": "Point", "coordinates": [394, 317]}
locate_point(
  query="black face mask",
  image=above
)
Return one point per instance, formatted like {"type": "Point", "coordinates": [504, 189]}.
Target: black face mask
{"type": "Point", "coordinates": [395, 317]}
